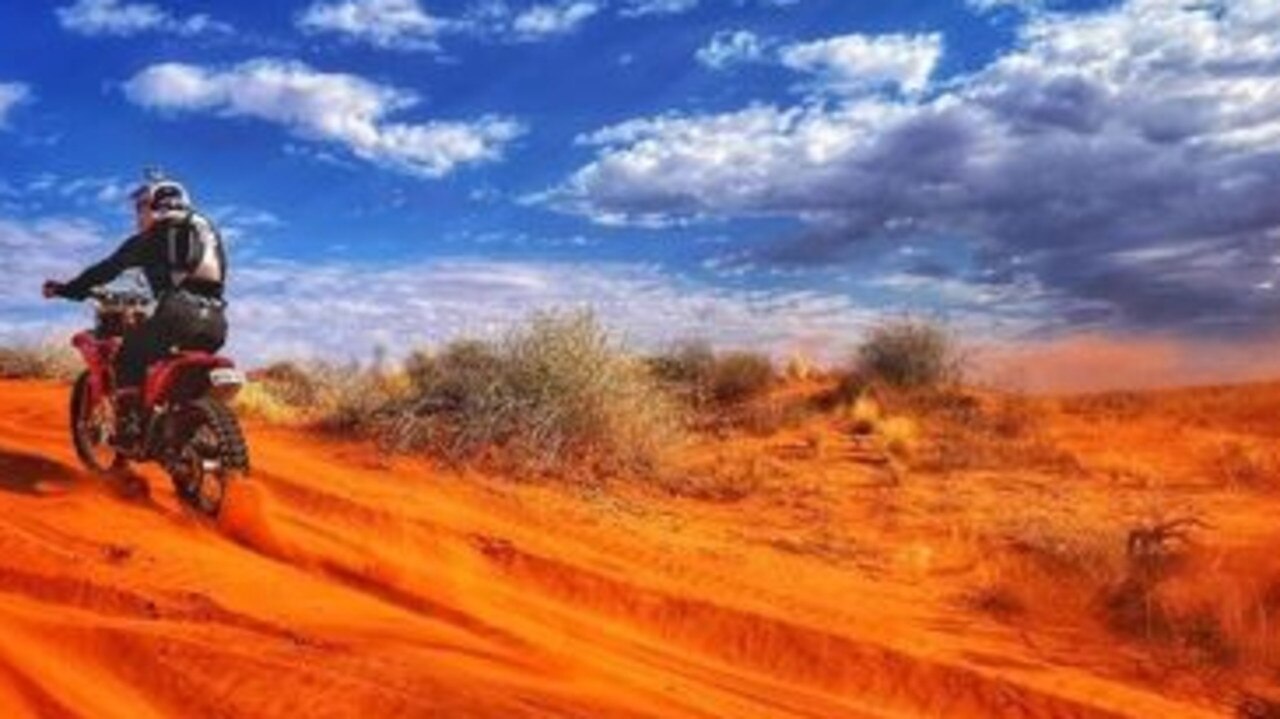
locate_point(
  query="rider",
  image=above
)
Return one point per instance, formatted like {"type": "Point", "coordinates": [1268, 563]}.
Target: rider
{"type": "Point", "coordinates": [183, 258]}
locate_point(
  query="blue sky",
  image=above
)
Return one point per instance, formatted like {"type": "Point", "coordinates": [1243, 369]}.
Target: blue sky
{"type": "Point", "coordinates": [766, 173]}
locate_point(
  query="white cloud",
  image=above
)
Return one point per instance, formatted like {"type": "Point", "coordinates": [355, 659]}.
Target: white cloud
{"type": "Point", "coordinates": [12, 94]}
{"type": "Point", "coordinates": [731, 47]}
{"type": "Point", "coordinates": [407, 25]}
{"type": "Point", "coordinates": [645, 8]}
{"type": "Point", "coordinates": [394, 24]}
{"type": "Point", "coordinates": [125, 19]}
{"type": "Point", "coordinates": [989, 6]}
{"type": "Point", "coordinates": [328, 107]}
{"type": "Point", "coordinates": [277, 306]}
{"type": "Point", "coordinates": [857, 63]}
{"type": "Point", "coordinates": [39, 249]}
{"type": "Point", "coordinates": [641, 8]}
{"type": "Point", "coordinates": [547, 19]}
{"type": "Point", "coordinates": [1147, 123]}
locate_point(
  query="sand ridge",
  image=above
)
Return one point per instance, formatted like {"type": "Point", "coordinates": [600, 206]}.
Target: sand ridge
{"type": "Point", "coordinates": [338, 586]}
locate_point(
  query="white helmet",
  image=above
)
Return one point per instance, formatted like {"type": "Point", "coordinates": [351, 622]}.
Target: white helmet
{"type": "Point", "coordinates": [157, 198]}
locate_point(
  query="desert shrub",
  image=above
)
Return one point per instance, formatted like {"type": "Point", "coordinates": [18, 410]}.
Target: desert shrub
{"type": "Point", "coordinates": [998, 600]}
{"type": "Point", "coordinates": [767, 418]}
{"type": "Point", "coordinates": [708, 380]}
{"type": "Point", "coordinates": [1066, 544]}
{"type": "Point", "coordinates": [1240, 466]}
{"type": "Point", "coordinates": [288, 383]}
{"type": "Point", "coordinates": [737, 377]}
{"type": "Point", "coordinates": [354, 401]}
{"type": "Point", "coordinates": [799, 368]}
{"type": "Point", "coordinates": [908, 353]}
{"type": "Point", "coordinates": [688, 364]}
{"type": "Point", "coordinates": [899, 435]}
{"type": "Point", "coordinates": [850, 386]}
{"type": "Point", "coordinates": [555, 395]}
{"type": "Point", "coordinates": [39, 361]}
{"type": "Point", "coordinates": [726, 482]}
{"type": "Point", "coordinates": [864, 416]}
{"type": "Point", "coordinates": [1114, 405]}
{"type": "Point", "coordinates": [257, 400]}
{"type": "Point", "coordinates": [978, 432]}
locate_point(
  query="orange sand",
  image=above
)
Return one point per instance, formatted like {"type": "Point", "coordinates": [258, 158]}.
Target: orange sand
{"type": "Point", "coordinates": [336, 586]}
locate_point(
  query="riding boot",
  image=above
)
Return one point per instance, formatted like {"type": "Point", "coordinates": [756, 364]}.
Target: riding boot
{"type": "Point", "coordinates": [128, 417]}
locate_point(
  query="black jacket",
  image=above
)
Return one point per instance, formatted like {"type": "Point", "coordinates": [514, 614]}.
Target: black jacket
{"type": "Point", "coordinates": [148, 251]}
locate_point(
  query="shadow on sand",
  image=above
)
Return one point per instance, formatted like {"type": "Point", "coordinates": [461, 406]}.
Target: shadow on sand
{"type": "Point", "coordinates": [23, 473]}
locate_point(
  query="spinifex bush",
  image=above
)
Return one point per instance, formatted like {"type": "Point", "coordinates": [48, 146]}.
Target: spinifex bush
{"type": "Point", "coordinates": [41, 361]}
{"type": "Point", "coordinates": [740, 376]}
{"type": "Point", "coordinates": [703, 377]}
{"type": "Point", "coordinates": [556, 395]}
{"type": "Point", "coordinates": [289, 383]}
{"type": "Point", "coordinates": [908, 354]}
{"type": "Point", "coordinates": [355, 401]}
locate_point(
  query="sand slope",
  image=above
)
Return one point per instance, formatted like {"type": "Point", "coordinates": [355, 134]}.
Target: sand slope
{"type": "Point", "coordinates": [338, 587]}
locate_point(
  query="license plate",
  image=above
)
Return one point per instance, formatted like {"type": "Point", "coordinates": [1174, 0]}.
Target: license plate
{"type": "Point", "coordinates": [225, 377]}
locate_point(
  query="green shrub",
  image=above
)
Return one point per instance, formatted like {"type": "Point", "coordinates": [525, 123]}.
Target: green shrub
{"type": "Point", "coordinates": [908, 354]}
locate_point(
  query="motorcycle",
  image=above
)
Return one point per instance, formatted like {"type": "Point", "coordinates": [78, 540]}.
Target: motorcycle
{"type": "Point", "coordinates": [187, 426]}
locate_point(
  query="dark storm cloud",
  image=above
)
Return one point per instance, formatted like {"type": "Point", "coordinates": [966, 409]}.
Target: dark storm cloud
{"type": "Point", "coordinates": [1127, 162]}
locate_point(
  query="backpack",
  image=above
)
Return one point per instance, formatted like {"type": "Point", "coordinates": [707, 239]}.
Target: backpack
{"type": "Point", "coordinates": [192, 249]}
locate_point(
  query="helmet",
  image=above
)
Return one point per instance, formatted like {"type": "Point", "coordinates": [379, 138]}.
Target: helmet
{"type": "Point", "coordinates": [157, 197]}
{"type": "Point", "coordinates": [169, 196]}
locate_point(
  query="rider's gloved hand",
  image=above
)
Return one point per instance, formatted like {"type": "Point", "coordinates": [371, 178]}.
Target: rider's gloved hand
{"type": "Point", "coordinates": [51, 288]}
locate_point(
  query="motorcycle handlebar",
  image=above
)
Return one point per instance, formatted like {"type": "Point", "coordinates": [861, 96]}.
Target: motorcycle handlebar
{"type": "Point", "coordinates": [115, 298]}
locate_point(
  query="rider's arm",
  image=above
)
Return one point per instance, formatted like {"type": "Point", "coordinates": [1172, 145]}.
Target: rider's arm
{"type": "Point", "coordinates": [132, 253]}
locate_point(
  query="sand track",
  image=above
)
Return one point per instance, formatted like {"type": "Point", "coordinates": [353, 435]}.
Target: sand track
{"type": "Point", "coordinates": [337, 588]}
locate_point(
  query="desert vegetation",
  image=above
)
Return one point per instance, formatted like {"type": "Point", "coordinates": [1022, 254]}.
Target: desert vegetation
{"type": "Point", "coordinates": [1058, 518]}
{"type": "Point", "coordinates": [38, 361]}
{"type": "Point", "coordinates": [557, 395]}
{"type": "Point", "coordinates": [1062, 514]}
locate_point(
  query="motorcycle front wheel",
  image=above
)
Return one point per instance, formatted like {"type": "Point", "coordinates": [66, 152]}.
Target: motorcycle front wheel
{"type": "Point", "coordinates": [93, 426]}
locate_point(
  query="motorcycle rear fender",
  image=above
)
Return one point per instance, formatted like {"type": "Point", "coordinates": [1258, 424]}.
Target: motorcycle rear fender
{"type": "Point", "coordinates": [184, 376]}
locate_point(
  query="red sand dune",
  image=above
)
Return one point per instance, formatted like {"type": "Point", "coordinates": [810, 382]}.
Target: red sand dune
{"type": "Point", "coordinates": [339, 587]}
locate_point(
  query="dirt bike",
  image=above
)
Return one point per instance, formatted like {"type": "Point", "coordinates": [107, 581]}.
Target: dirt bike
{"type": "Point", "coordinates": [186, 427]}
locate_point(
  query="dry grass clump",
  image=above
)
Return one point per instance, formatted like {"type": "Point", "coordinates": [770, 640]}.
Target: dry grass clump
{"type": "Point", "coordinates": [555, 396]}
{"type": "Point", "coordinates": [740, 376]}
{"type": "Point", "coordinates": [355, 401]}
{"type": "Point", "coordinates": [1238, 465]}
{"type": "Point", "coordinates": [289, 383]}
{"type": "Point", "coordinates": [898, 435]}
{"type": "Point", "coordinates": [282, 393]}
{"type": "Point", "coordinates": [256, 400]}
{"type": "Point", "coordinates": [967, 431]}
{"type": "Point", "coordinates": [1069, 544]}
{"type": "Point", "coordinates": [39, 361]}
{"type": "Point", "coordinates": [1114, 405]}
{"type": "Point", "coordinates": [724, 480]}
{"type": "Point", "coordinates": [1165, 601]}
{"type": "Point", "coordinates": [799, 368]}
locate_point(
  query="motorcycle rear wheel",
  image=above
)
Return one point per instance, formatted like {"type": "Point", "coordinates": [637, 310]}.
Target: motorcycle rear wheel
{"type": "Point", "coordinates": [212, 455]}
